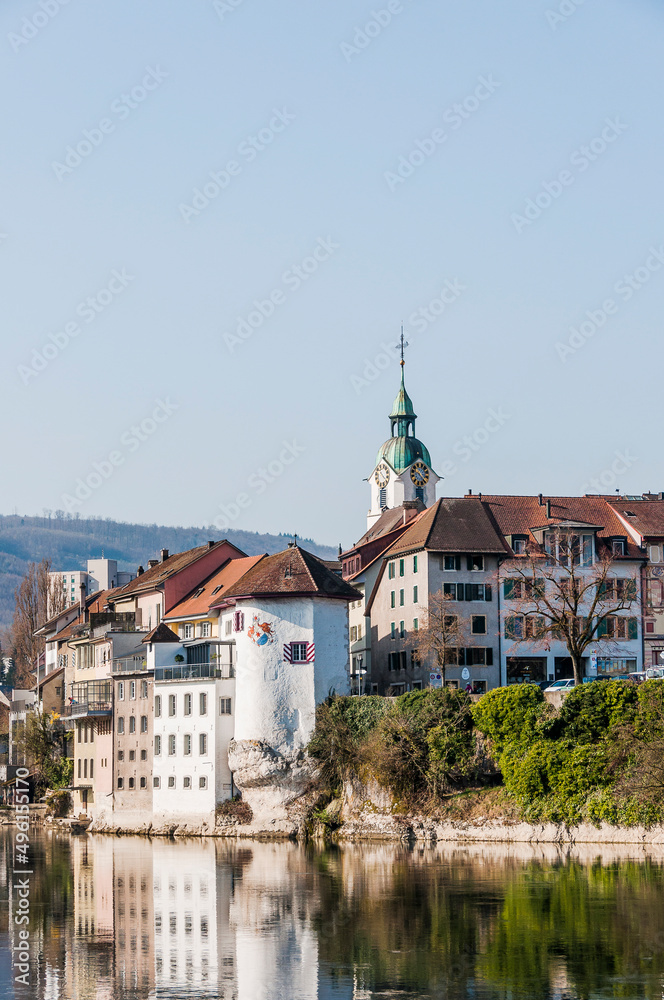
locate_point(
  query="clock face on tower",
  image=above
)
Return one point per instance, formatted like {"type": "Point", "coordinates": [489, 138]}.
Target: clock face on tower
{"type": "Point", "coordinates": [382, 475]}
{"type": "Point", "coordinates": [419, 474]}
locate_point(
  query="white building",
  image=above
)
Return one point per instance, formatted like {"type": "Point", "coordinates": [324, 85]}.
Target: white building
{"type": "Point", "coordinates": [101, 574]}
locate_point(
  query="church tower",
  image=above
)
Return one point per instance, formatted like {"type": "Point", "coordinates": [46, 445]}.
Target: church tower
{"type": "Point", "coordinates": [403, 466]}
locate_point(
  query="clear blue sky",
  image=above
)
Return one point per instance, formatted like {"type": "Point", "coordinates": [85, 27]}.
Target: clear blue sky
{"type": "Point", "coordinates": [170, 93]}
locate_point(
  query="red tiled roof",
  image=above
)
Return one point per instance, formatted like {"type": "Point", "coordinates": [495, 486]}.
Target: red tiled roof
{"type": "Point", "coordinates": [454, 524]}
{"type": "Point", "coordinates": [212, 593]}
{"type": "Point", "coordinates": [390, 520]}
{"type": "Point", "coordinates": [160, 633]}
{"type": "Point", "coordinates": [521, 515]}
{"type": "Point", "coordinates": [645, 516]}
{"type": "Point", "coordinates": [155, 576]}
{"type": "Point", "coordinates": [294, 572]}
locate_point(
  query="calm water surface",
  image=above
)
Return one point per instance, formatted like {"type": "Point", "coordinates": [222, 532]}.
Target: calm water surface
{"type": "Point", "coordinates": [119, 918]}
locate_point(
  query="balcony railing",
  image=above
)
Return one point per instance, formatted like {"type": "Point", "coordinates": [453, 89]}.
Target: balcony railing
{"type": "Point", "coordinates": [194, 671]}
{"type": "Point", "coordinates": [78, 709]}
{"type": "Point", "coordinates": [129, 665]}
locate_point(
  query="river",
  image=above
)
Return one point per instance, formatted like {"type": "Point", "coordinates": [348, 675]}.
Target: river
{"type": "Point", "coordinates": [114, 918]}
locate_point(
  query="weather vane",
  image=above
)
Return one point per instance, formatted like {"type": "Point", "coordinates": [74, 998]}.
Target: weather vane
{"type": "Point", "coordinates": [404, 345]}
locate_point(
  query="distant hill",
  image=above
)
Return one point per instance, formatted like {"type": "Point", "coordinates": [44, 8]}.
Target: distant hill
{"type": "Point", "coordinates": [69, 542]}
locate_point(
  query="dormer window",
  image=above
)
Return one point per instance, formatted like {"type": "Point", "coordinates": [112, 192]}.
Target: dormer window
{"type": "Point", "coordinates": [618, 546]}
{"type": "Point", "coordinates": [519, 545]}
{"type": "Point", "coordinates": [569, 549]}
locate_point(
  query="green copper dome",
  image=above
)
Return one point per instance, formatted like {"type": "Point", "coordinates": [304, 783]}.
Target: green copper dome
{"type": "Point", "coordinates": [401, 452]}
{"type": "Point", "coordinates": [403, 448]}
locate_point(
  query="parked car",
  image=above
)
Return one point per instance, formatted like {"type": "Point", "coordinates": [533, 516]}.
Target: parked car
{"type": "Point", "coordinates": [564, 685]}
{"type": "Point", "coordinates": [638, 677]}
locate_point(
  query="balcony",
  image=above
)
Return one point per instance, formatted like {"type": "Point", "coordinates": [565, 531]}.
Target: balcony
{"type": "Point", "coordinates": [195, 671]}
{"type": "Point", "coordinates": [129, 665]}
{"type": "Point", "coordinates": [90, 698]}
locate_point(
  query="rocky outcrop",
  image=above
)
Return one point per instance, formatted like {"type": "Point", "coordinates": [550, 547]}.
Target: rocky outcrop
{"type": "Point", "coordinates": [270, 780]}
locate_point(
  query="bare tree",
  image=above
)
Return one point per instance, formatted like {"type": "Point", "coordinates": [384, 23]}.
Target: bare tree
{"type": "Point", "coordinates": [441, 633]}
{"type": "Point", "coordinates": [36, 597]}
{"type": "Point", "coordinates": [558, 594]}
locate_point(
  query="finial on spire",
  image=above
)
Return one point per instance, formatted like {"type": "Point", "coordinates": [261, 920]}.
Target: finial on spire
{"type": "Point", "coordinates": [403, 345]}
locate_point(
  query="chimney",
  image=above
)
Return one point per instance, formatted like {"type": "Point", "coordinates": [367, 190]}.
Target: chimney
{"type": "Point", "coordinates": [152, 563]}
{"type": "Point", "coordinates": [82, 597]}
{"type": "Point", "coordinates": [209, 545]}
{"type": "Point", "coordinates": [548, 508]}
{"type": "Point", "coordinates": [470, 493]}
{"type": "Point", "coordinates": [340, 550]}
{"type": "Point", "coordinates": [164, 554]}
{"type": "Point", "coordinates": [541, 500]}
{"type": "Point", "coordinates": [140, 571]}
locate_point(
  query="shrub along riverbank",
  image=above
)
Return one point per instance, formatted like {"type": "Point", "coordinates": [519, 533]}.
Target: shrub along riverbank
{"type": "Point", "coordinates": [598, 758]}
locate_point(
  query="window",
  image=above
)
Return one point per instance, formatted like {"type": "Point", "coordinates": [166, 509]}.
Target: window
{"type": "Point", "coordinates": [120, 782]}
{"type": "Point", "coordinates": [186, 781]}
{"type": "Point", "coordinates": [228, 626]}
{"type": "Point", "coordinates": [187, 704]}
{"type": "Point", "coordinates": [414, 564]}
{"type": "Point", "coordinates": [171, 781]}
{"type": "Point", "coordinates": [120, 755]}
{"type": "Point", "coordinates": [359, 631]}
{"type": "Point", "coordinates": [171, 745]}
{"type": "Point", "coordinates": [202, 743]}
{"type": "Point", "coordinates": [416, 624]}
{"type": "Point", "coordinates": [402, 630]}
{"type": "Point", "coordinates": [144, 689]}
{"type": "Point", "coordinates": [189, 631]}
{"type": "Point", "coordinates": [202, 782]}
{"type": "Point", "coordinates": [402, 567]}
{"type": "Point", "coordinates": [353, 633]}
{"type": "Point", "coordinates": [132, 755]}
{"type": "Point", "coordinates": [414, 595]}
{"type": "Point", "coordinates": [569, 548]}
{"type": "Point", "coordinates": [393, 630]}
{"type": "Point", "coordinates": [299, 652]}
{"type": "Point", "coordinates": [171, 704]}
{"type": "Point", "coordinates": [132, 782]}
{"type": "Point", "coordinates": [132, 690]}
{"type": "Point", "coordinates": [144, 755]}
{"type": "Point", "coordinates": [650, 627]}
{"type": "Point", "coordinates": [467, 591]}
{"type": "Point", "coordinates": [478, 624]}
{"type": "Point", "coordinates": [156, 782]}
{"type": "Point", "coordinates": [157, 745]}
{"type": "Point", "coordinates": [618, 590]}
{"type": "Point", "coordinates": [144, 782]}
{"type": "Point", "coordinates": [187, 744]}
{"type": "Point", "coordinates": [202, 703]}
{"type": "Point", "coordinates": [415, 660]}
{"type": "Point", "coordinates": [618, 546]}
{"type": "Point", "coordinates": [121, 691]}
{"type": "Point", "coordinates": [80, 765]}
{"type": "Point", "coordinates": [618, 627]}
{"type": "Point", "coordinates": [157, 706]}
{"type": "Point", "coordinates": [524, 627]}
{"type": "Point", "coordinates": [475, 563]}
{"type": "Point", "coordinates": [224, 706]}
{"type": "Point", "coordinates": [132, 723]}
{"type": "Point", "coordinates": [519, 589]}
{"type": "Point", "coordinates": [144, 723]}
{"type": "Point", "coordinates": [390, 571]}
{"type": "Point", "coordinates": [120, 724]}
{"type": "Point", "coordinates": [519, 545]}
{"type": "Point", "coordinates": [238, 621]}
{"type": "Point", "coordinates": [393, 599]}
{"type": "Point", "coordinates": [654, 553]}
{"type": "Point", "coordinates": [451, 563]}
{"type": "Point", "coordinates": [402, 600]}
{"type": "Point", "coordinates": [397, 661]}
{"type": "Point", "coordinates": [479, 656]}
{"type": "Point", "coordinates": [206, 630]}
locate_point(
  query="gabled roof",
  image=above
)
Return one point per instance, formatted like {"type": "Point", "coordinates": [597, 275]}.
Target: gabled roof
{"type": "Point", "coordinates": [455, 524]}
{"type": "Point", "coordinates": [525, 515]}
{"type": "Point", "coordinates": [212, 592]}
{"type": "Point", "coordinates": [293, 572]}
{"type": "Point", "coordinates": [160, 633]}
{"type": "Point", "coordinates": [646, 517]}
{"type": "Point", "coordinates": [157, 575]}
{"type": "Point", "coordinates": [391, 520]}
{"type": "Point", "coordinates": [94, 604]}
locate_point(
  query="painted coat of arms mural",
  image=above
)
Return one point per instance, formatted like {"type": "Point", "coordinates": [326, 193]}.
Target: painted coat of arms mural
{"type": "Point", "coordinates": [261, 633]}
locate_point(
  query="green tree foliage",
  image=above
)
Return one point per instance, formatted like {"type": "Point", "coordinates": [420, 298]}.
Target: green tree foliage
{"type": "Point", "coordinates": [509, 714]}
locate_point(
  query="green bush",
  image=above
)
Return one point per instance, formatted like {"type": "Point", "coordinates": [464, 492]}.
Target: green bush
{"type": "Point", "coordinates": [590, 710]}
{"type": "Point", "coordinates": [650, 717]}
{"type": "Point", "coordinates": [509, 715]}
